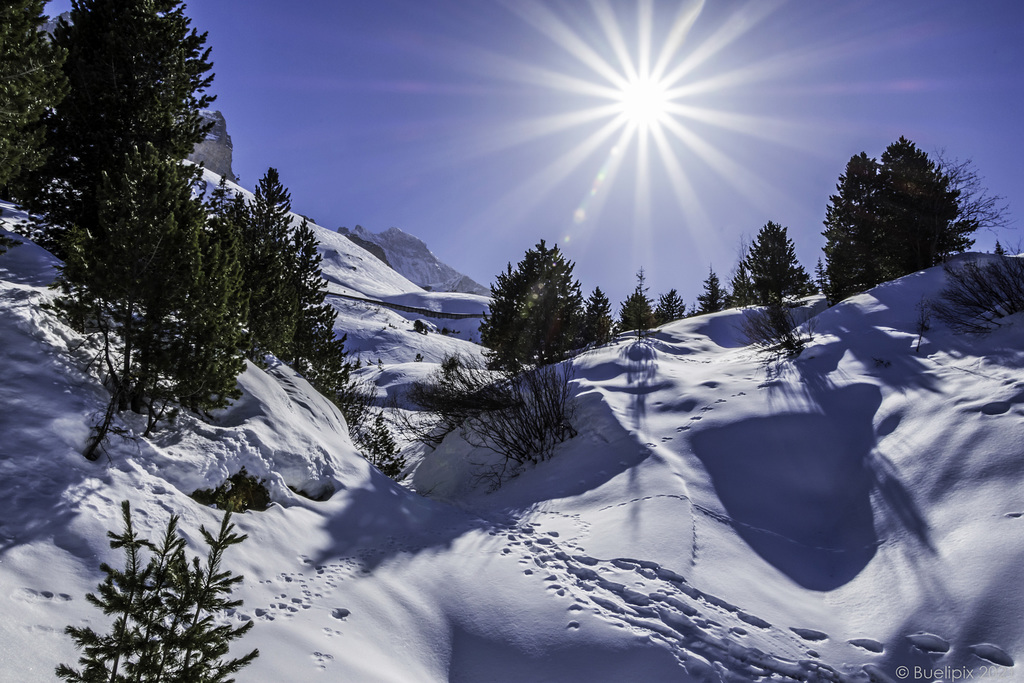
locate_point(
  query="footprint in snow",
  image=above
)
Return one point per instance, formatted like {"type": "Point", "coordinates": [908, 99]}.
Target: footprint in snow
{"type": "Point", "coordinates": [340, 613]}
{"type": "Point", "coordinates": [929, 642]}
{"type": "Point", "coordinates": [30, 595]}
{"type": "Point", "coordinates": [322, 659]}
{"type": "Point", "coordinates": [810, 634]}
{"type": "Point", "coordinates": [868, 644]}
{"type": "Point", "coordinates": [991, 653]}
{"type": "Point", "coordinates": [1014, 515]}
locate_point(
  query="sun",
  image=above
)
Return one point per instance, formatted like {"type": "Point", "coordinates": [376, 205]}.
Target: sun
{"type": "Point", "coordinates": [644, 102]}
{"type": "Point", "coordinates": [640, 96]}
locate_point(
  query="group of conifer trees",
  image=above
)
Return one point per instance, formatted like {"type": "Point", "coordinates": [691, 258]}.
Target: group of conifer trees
{"type": "Point", "coordinates": [900, 214]}
{"type": "Point", "coordinates": [888, 218]}
{"type": "Point", "coordinates": [178, 284]}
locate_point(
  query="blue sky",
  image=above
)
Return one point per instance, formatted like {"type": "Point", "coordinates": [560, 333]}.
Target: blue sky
{"type": "Point", "coordinates": [485, 126]}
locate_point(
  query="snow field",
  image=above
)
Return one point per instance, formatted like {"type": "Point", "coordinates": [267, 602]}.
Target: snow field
{"type": "Point", "coordinates": [831, 517]}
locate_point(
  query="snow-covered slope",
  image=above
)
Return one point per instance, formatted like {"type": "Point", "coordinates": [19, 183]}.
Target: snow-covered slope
{"type": "Point", "coordinates": [834, 517]}
{"type": "Point", "coordinates": [375, 332]}
{"type": "Point", "coordinates": [411, 257]}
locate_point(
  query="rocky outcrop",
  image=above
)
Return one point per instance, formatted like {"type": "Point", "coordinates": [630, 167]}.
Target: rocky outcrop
{"type": "Point", "coordinates": [409, 256]}
{"type": "Point", "coordinates": [366, 244]}
{"type": "Point", "coordinates": [215, 151]}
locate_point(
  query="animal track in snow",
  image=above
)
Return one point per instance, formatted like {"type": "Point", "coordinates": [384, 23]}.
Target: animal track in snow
{"type": "Point", "coordinates": [704, 632]}
{"type": "Point", "coordinates": [929, 643]}
{"type": "Point", "coordinates": [991, 653]}
{"type": "Point", "coordinates": [32, 595]}
{"type": "Point", "coordinates": [810, 634]}
{"type": "Point", "coordinates": [322, 659]}
{"type": "Point", "coordinates": [868, 644]}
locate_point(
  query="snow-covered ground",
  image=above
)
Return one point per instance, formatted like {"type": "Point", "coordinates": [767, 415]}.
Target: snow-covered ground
{"type": "Point", "coordinates": [834, 517]}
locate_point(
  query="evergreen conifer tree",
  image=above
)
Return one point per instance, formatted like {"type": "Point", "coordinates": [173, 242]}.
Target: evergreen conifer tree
{"type": "Point", "coordinates": [635, 312]}
{"type": "Point", "coordinates": [713, 298]}
{"type": "Point", "coordinates": [535, 313]}
{"type": "Point", "coordinates": [598, 323]}
{"type": "Point", "coordinates": [775, 274]}
{"type": "Point", "coordinates": [919, 211]}
{"type": "Point", "coordinates": [741, 285]}
{"type": "Point", "coordinates": [164, 629]}
{"type": "Point", "coordinates": [898, 215]}
{"type": "Point", "coordinates": [853, 231]}
{"type": "Point", "coordinates": [379, 447]}
{"type": "Point", "coordinates": [314, 351]}
{"type": "Point", "coordinates": [207, 592]}
{"type": "Point", "coordinates": [214, 314]}
{"type": "Point", "coordinates": [162, 300]}
{"type": "Point", "coordinates": [137, 75]}
{"type": "Point", "coordinates": [820, 277]}
{"type": "Point", "coordinates": [119, 596]}
{"type": "Point", "coordinates": [31, 82]}
{"type": "Point", "coordinates": [268, 257]}
{"type": "Point", "coordinates": [670, 307]}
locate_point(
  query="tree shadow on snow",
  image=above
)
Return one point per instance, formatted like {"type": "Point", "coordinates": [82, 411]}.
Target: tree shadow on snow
{"type": "Point", "coordinates": [798, 486]}
{"type": "Point", "coordinates": [381, 520]}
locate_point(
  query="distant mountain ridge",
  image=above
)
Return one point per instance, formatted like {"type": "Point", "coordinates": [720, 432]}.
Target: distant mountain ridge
{"type": "Point", "coordinates": [411, 257]}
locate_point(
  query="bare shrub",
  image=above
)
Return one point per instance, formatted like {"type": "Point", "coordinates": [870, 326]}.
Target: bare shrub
{"type": "Point", "coordinates": [774, 329]}
{"type": "Point", "coordinates": [520, 416]}
{"type": "Point", "coordinates": [979, 294]}
{"type": "Point", "coordinates": [460, 389]}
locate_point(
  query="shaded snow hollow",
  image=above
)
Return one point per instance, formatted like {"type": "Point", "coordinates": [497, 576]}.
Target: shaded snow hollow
{"type": "Point", "coordinates": [831, 517]}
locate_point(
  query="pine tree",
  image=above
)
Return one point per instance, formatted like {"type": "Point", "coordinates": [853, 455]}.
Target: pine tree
{"type": "Point", "coordinates": [775, 274]}
{"type": "Point", "coordinates": [31, 82]}
{"type": "Point", "coordinates": [163, 611]}
{"type": "Point", "coordinates": [820, 277]}
{"type": "Point", "coordinates": [119, 596]}
{"type": "Point", "coordinates": [214, 315]}
{"type": "Point", "coordinates": [853, 231]}
{"type": "Point", "coordinates": [267, 257]}
{"type": "Point", "coordinates": [741, 284]}
{"type": "Point", "coordinates": [898, 215]}
{"type": "Point", "coordinates": [635, 312]}
{"type": "Point", "coordinates": [206, 592]}
{"type": "Point", "coordinates": [713, 298]}
{"type": "Point", "coordinates": [137, 75]}
{"type": "Point", "coordinates": [597, 319]}
{"type": "Point", "coordinates": [670, 307]}
{"type": "Point", "coordinates": [158, 289]}
{"type": "Point", "coordinates": [919, 211]}
{"type": "Point", "coordinates": [535, 313]}
{"type": "Point", "coordinates": [379, 448]}
{"type": "Point", "coordinates": [314, 351]}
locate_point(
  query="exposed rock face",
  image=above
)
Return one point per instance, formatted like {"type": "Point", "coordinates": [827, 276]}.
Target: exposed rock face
{"type": "Point", "coordinates": [215, 151]}
{"type": "Point", "coordinates": [366, 244]}
{"type": "Point", "coordinates": [410, 257]}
